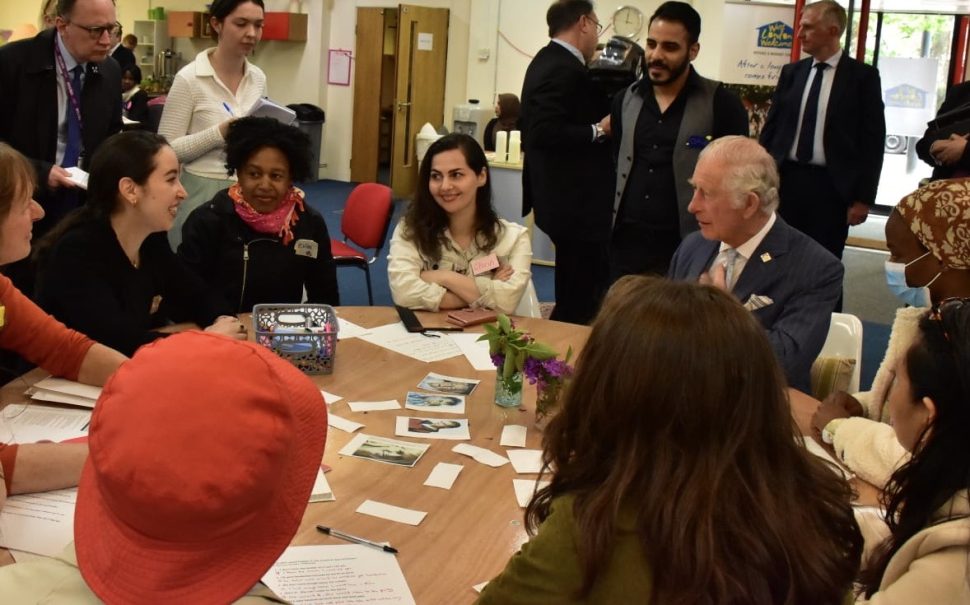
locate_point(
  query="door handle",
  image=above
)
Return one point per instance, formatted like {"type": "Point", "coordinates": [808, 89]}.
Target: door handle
{"type": "Point", "coordinates": [402, 104]}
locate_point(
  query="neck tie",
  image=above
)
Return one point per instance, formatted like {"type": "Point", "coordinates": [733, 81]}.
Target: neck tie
{"type": "Point", "coordinates": [72, 151]}
{"type": "Point", "coordinates": [729, 262]}
{"type": "Point", "coordinates": [806, 137]}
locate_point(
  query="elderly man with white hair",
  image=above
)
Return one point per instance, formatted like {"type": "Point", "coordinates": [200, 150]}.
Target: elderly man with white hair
{"type": "Point", "coordinates": [786, 279]}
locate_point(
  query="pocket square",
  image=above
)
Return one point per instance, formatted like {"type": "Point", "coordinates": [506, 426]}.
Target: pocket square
{"type": "Point", "coordinates": [757, 301]}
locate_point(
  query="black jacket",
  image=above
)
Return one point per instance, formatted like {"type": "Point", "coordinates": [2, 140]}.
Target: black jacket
{"type": "Point", "coordinates": [216, 244]}
{"type": "Point", "coordinates": [87, 282]}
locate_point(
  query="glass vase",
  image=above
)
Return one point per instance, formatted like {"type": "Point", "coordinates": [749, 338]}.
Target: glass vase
{"type": "Point", "coordinates": [508, 391]}
{"type": "Point", "coordinates": [547, 403]}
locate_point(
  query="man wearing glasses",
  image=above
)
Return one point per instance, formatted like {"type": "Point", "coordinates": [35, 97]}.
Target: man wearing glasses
{"type": "Point", "coordinates": [567, 176]}
{"type": "Point", "coordinates": [61, 99]}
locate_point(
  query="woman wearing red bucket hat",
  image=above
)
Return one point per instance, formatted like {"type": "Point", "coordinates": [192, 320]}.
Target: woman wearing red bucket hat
{"type": "Point", "coordinates": [203, 455]}
{"type": "Point", "coordinates": [29, 332]}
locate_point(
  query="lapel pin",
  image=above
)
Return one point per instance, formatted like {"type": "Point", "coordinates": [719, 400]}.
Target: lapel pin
{"type": "Point", "coordinates": [766, 257]}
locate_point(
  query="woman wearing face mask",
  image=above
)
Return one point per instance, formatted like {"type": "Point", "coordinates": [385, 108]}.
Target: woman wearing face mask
{"type": "Point", "coordinates": [928, 236]}
{"type": "Point", "coordinates": [206, 95]}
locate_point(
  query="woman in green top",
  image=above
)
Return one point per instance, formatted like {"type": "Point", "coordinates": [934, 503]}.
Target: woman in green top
{"type": "Point", "coordinates": [678, 473]}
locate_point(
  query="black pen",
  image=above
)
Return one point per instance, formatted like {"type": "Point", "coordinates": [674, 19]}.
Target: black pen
{"type": "Point", "coordinates": [339, 534]}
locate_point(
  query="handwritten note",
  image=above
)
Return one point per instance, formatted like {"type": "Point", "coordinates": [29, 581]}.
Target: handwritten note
{"type": "Point", "coordinates": [348, 573]}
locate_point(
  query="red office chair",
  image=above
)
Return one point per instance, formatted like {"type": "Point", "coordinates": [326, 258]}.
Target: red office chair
{"type": "Point", "coordinates": [367, 216]}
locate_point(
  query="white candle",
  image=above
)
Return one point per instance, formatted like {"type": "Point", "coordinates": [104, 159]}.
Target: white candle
{"type": "Point", "coordinates": [515, 150]}
{"type": "Point", "coordinates": [501, 146]}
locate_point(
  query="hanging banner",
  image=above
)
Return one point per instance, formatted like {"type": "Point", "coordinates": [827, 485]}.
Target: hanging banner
{"type": "Point", "coordinates": [909, 92]}
{"type": "Point", "coordinates": [758, 43]}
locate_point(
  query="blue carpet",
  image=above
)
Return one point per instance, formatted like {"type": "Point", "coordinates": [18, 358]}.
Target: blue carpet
{"type": "Point", "coordinates": [328, 198]}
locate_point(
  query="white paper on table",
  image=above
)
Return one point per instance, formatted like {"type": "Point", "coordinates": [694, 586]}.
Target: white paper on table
{"type": "Point", "coordinates": [432, 428]}
{"type": "Point", "coordinates": [78, 177]}
{"type": "Point", "coordinates": [395, 337]}
{"type": "Point", "coordinates": [391, 513]}
{"type": "Point", "coordinates": [56, 397]}
{"type": "Point", "coordinates": [348, 329]}
{"type": "Point", "coordinates": [345, 573]}
{"type": "Point", "coordinates": [480, 454]}
{"type": "Point", "coordinates": [443, 475]}
{"type": "Point", "coordinates": [513, 435]}
{"type": "Point", "coordinates": [341, 423]}
{"type": "Point", "coordinates": [41, 523]}
{"type": "Point", "coordinates": [525, 461]}
{"type": "Point", "coordinates": [474, 351]}
{"type": "Point", "coordinates": [62, 385]}
{"type": "Point", "coordinates": [373, 406]}
{"type": "Point", "coordinates": [525, 488]}
{"type": "Point", "coordinates": [30, 423]}
{"type": "Point", "coordinates": [330, 397]}
{"type": "Point", "coordinates": [321, 491]}
{"type": "Point", "coordinates": [480, 587]}
{"type": "Point", "coordinates": [837, 467]}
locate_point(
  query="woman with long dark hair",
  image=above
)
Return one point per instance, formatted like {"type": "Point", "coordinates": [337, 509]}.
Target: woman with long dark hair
{"type": "Point", "coordinates": [926, 557]}
{"type": "Point", "coordinates": [452, 250]}
{"type": "Point", "coordinates": [676, 470]}
{"type": "Point", "coordinates": [106, 270]}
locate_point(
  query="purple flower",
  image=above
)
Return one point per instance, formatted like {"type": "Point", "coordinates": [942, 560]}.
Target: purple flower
{"type": "Point", "coordinates": [557, 368]}
{"type": "Point", "coordinates": [533, 369]}
{"type": "Point", "coordinates": [498, 360]}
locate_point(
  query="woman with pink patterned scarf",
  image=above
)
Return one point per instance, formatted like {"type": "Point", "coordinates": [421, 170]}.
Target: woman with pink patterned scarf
{"type": "Point", "coordinates": [258, 241]}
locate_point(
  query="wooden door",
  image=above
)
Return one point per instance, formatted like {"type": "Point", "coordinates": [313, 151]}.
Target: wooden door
{"type": "Point", "coordinates": [419, 88]}
{"type": "Point", "coordinates": [367, 98]}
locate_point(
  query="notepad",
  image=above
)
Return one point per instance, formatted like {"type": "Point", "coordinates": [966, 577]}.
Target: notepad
{"type": "Point", "coordinates": [266, 108]}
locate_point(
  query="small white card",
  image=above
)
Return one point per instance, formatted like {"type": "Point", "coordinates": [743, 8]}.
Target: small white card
{"type": "Point", "coordinates": [525, 461]}
{"type": "Point", "coordinates": [321, 491]}
{"type": "Point", "coordinates": [78, 177]}
{"type": "Point", "coordinates": [391, 513]}
{"type": "Point", "coordinates": [479, 587]}
{"type": "Point", "coordinates": [348, 329]}
{"type": "Point", "coordinates": [443, 475]}
{"type": "Point", "coordinates": [513, 435]}
{"type": "Point", "coordinates": [525, 488]}
{"type": "Point", "coordinates": [480, 454]}
{"type": "Point", "coordinates": [341, 423]}
{"type": "Point", "coordinates": [330, 397]}
{"type": "Point", "coordinates": [373, 406]}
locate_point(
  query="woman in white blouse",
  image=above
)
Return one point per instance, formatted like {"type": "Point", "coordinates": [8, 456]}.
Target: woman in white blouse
{"type": "Point", "coordinates": [451, 250]}
{"type": "Point", "coordinates": [207, 94]}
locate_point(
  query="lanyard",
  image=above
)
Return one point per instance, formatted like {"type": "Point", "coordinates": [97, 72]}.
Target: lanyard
{"type": "Point", "coordinates": [71, 95]}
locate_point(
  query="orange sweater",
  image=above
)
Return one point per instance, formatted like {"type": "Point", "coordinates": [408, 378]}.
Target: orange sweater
{"type": "Point", "coordinates": [28, 331]}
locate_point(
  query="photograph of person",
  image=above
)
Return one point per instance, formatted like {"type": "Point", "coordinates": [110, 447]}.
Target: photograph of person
{"type": "Point", "coordinates": [380, 449]}
{"type": "Point", "coordinates": [440, 383]}
{"type": "Point", "coordinates": [453, 404]}
{"type": "Point", "coordinates": [432, 428]}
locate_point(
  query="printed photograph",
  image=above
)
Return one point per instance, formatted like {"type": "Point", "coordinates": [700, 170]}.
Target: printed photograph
{"type": "Point", "coordinates": [432, 428]}
{"type": "Point", "coordinates": [381, 449]}
{"type": "Point", "coordinates": [440, 383]}
{"type": "Point", "coordinates": [430, 402]}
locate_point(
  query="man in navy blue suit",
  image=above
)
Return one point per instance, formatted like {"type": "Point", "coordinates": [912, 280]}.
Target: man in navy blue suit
{"type": "Point", "coordinates": [826, 129]}
{"type": "Point", "coordinates": [788, 281]}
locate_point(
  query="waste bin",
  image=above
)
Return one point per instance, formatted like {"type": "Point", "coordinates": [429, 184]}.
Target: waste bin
{"type": "Point", "coordinates": [310, 119]}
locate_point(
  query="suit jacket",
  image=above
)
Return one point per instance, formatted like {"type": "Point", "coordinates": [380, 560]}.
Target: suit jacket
{"type": "Point", "coordinates": [802, 279]}
{"type": "Point", "coordinates": [123, 56]}
{"type": "Point", "coordinates": [28, 103]}
{"type": "Point", "coordinates": [957, 96]}
{"type": "Point", "coordinates": [854, 130]}
{"type": "Point", "coordinates": [566, 176]}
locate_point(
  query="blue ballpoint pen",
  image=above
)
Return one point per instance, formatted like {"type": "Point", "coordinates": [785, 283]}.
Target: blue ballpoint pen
{"type": "Point", "coordinates": [229, 109]}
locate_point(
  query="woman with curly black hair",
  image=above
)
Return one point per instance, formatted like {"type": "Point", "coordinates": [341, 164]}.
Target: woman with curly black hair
{"type": "Point", "coordinates": [257, 241]}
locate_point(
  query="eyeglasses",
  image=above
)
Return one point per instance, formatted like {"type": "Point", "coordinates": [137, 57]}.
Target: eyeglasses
{"type": "Point", "coordinates": [599, 26]}
{"type": "Point", "coordinates": [96, 31]}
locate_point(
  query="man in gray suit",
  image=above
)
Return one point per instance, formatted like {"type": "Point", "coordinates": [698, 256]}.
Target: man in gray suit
{"type": "Point", "coordinates": [787, 280]}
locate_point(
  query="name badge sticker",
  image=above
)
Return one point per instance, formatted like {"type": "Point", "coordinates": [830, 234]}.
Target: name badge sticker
{"type": "Point", "coordinates": [484, 265]}
{"type": "Point", "coordinates": [306, 247]}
